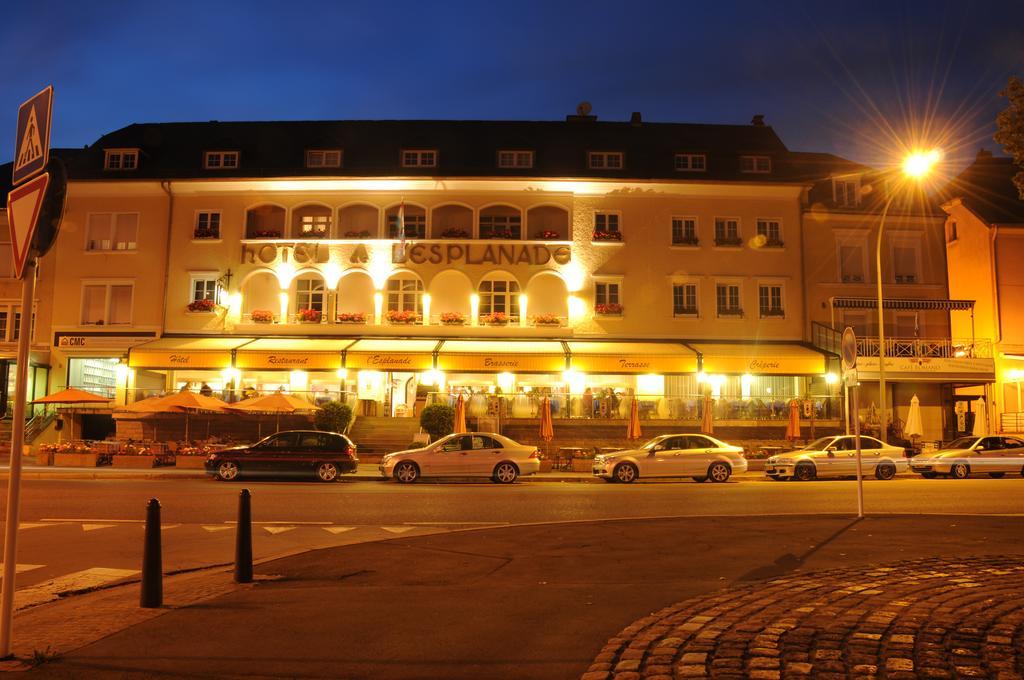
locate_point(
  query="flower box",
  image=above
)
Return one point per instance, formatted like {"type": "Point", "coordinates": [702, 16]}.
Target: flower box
{"type": "Point", "coordinates": [403, 318]}
{"type": "Point", "coordinates": [44, 457]}
{"type": "Point", "coordinates": [265, 233]}
{"type": "Point", "coordinates": [262, 316]}
{"type": "Point", "coordinates": [608, 309]}
{"type": "Point", "coordinates": [495, 319]}
{"type": "Point", "coordinates": [453, 319]}
{"type": "Point", "coordinates": [546, 320]}
{"type": "Point", "coordinates": [727, 241]}
{"type": "Point", "coordinates": [773, 312]}
{"type": "Point", "coordinates": [314, 234]}
{"type": "Point", "coordinates": [200, 234]}
{"type": "Point", "coordinates": [582, 464]}
{"type": "Point", "coordinates": [310, 315]}
{"type": "Point", "coordinates": [90, 459]}
{"type": "Point", "coordinates": [135, 460]}
{"type": "Point", "coordinates": [614, 236]}
{"type": "Point", "coordinates": [545, 466]}
{"type": "Point", "coordinates": [733, 311]}
{"type": "Point", "coordinates": [548, 235]}
{"type": "Point", "coordinates": [454, 233]}
{"type": "Point", "coordinates": [686, 242]}
{"type": "Point", "coordinates": [201, 306]}
{"type": "Point", "coordinates": [357, 234]}
{"type": "Point", "coordinates": [190, 461]}
{"type": "Point", "coordinates": [774, 243]}
{"type": "Point", "coordinates": [502, 234]}
{"type": "Point", "coordinates": [352, 317]}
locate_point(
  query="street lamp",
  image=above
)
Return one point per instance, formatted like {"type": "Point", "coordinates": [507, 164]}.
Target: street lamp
{"type": "Point", "coordinates": [916, 166]}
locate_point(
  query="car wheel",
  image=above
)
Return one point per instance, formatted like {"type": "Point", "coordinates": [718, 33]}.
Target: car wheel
{"type": "Point", "coordinates": [227, 471]}
{"type": "Point", "coordinates": [327, 472]}
{"type": "Point", "coordinates": [996, 475]}
{"type": "Point", "coordinates": [929, 475]}
{"type": "Point", "coordinates": [805, 472]}
{"type": "Point", "coordinates": [625, 473]}
{"type": "Point", "coordinates": [719, 472]}
{"type": "Point", "coordinates": [407, 472]}
{"type": "Point", "coordinates": [505, 473]}
{"type": "Point", "coordinates": [960, 471]}
{"type": "Point", "coordinates": [700, 480]}
{"type": "Point", "coordinates": [885, 471]}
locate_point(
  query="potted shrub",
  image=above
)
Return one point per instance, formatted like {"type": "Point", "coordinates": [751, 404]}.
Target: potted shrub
{"type": "Point", "coordinates": [454, 233]}
{"type": "Point", "coordinates": [333, 417]}
{"type": "Point", "coordinates": [495, 319]}
{"type": "Point", "coordinates": [607, 236]}
{"type": "Point", "coordinates": [548, 235]}
{"type": "Point", "coordinates": [453, 319]}
{"type": "Point", "coordinates": [351, 317]}
{"type": "Point", "coordinates": [608, 309]}
{"type": "Point", "coordinates": [310, 315]}
{"type": "Point", "coordinates": [438, 420]}
{"type": "Point", "coordinates": [262, 316]}
{"type": "Point", "coordinates": [405, 317]}
{"type": "Point", "coordinates": [546, 320]}
{"type": "Point", "coordinates": [201, 306]}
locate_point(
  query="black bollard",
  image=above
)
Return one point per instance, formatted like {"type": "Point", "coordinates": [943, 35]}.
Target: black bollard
{"type": "Point", "coordinates": [243, 539]}
{"type": "Point", "coordinates": [152, 559]}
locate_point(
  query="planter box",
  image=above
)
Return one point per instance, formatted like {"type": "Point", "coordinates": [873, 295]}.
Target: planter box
{"type": "Point", "coordinates": [582, 464]}
{"type": "Point", "coordinates": [545, 466]}
{"type": "Point", "coordinates": [44, 458]}
{"type": "Point", "coordinates": [76, 459]}
{"type": "Point", "coordinates": [133, 461]}
{"type": "Point", "coordinates": [190, 462]}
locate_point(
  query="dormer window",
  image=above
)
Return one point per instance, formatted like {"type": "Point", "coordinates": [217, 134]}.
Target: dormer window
{"type": "Point", "coordinates": [755, 164]}
{"type": "Point", "coordinates": [515, 159]}
{"type": "Point", "coordinates": [323, 158]}
{"type": "Point", "coordinates": [220, 160]}
{"type": "Point", "coordinates": [419, 158]}
{"type": "Point", "coordinates": [846, 191]}
{"type": "Point", "coordinates": [121, 159]}
{"type": "Point", "coordinates": [691, 162]}
{"type": "Point", "coordinates": [605, 160]}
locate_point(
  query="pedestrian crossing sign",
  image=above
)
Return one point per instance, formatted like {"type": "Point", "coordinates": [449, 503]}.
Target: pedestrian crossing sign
{"type": "Point", "coordinates": [32, 145]}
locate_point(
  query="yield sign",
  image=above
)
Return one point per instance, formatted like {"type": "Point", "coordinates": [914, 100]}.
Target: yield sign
{"type": "Point", "coordinates": [23, 212]}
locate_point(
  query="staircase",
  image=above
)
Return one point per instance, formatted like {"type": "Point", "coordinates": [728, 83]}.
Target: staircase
{"type": "Point", "coordinates": [375, 436]}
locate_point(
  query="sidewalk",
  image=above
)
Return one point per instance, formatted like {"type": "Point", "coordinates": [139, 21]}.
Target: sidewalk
{"type": "Point", "coordinates": [777, 597]}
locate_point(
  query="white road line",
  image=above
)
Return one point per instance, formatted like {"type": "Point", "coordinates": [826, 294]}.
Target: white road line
{"type": "Point", "coordinates": [18, 568]}
{"type": "Point", "coordinates": [164, 527]}
{"type": "Point", "coordinates": [313, 524]}
{"type": "Point", "coordinates": [33, 525]}
{"type": "Point", "coordinates": [429, 524]}
{"type": "Point", "coordinates": [215, 527]}
{"type": "Point", "coordinates": [119, 521]}
{"type": "Point", "coordinates": [94, 527]}
{"type": "Point", "coordinates": [277, 530]}
{"type": "Point", "coordinates": [337, 530]}
{"type": "Point", "coordinates": [398, 530]}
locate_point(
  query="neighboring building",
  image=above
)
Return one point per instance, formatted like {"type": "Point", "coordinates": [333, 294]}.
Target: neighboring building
{"type": "Point", "coordinates": [984, 232]}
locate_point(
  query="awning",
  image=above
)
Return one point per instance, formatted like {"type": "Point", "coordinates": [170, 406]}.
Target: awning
{"type": "Point", "coordinates": [761, 359]}
{"type": "Point", "coordinates": [632, 357]}
{"type": "Point", "coordinates": [905, 304]}
{"type": "Point", "coordinates": [391, 355]}
{"type": "Point", "coordinates": [291, 354]}
{"type": "Point", "coordinates": [209, 353]}
{"type": "Point", "coordinates": [495, 356]}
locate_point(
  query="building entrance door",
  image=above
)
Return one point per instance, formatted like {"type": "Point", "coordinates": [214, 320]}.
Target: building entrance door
{"type": "Point", "coordinates": [401, 397]}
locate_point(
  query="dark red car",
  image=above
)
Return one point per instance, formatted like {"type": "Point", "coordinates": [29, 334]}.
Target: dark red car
{"type": "Point", "coordinates": [324, 454]}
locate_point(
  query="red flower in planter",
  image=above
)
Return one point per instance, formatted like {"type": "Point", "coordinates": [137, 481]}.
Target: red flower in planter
{"type": "Point", "coordinates": [201, 306]}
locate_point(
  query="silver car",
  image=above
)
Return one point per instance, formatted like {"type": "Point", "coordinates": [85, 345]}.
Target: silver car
{"type": "Point", "coordinates": [673, 455]}
{"type": "Point", "coordinates": [960, 458]}
{"type": "Point", "coordinates": [836, 456]}
{"type": "Point", "coordinates": [475, 454]}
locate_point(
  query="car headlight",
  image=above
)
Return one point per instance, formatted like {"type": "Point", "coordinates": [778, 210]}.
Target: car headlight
{"type": "Point", "coordinates": [773, 460]}
{"type": "Point", "coordinates": [598, 460]}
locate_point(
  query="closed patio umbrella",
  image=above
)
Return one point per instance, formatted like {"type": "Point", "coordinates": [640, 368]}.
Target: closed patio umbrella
{"type": "Point", "coordinates": [633, 428]}
{"type": "Point", "coordinates": [980, 421]}
{"type": "Point", "coordinates": [460, 415]}
{"type": "Point", "coordinates": [793, 425]}
{"type": "Point", "coordinates": [547, 427]}
{"type": "Point", "coordinates": [914, 428]}
{"type": "Point", "coordinates": [707, 421]}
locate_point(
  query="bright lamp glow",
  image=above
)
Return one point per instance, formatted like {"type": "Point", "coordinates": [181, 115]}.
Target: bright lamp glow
{"type": "Point", "coordinates": [507, 382]}
{"type": "Point", "coordinates": [920, 163]}
{"type": "Point", "coordinates": [831, 378]}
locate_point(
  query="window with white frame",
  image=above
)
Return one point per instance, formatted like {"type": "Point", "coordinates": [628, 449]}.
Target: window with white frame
{"type": "Point", "coordinates": [309, 294]}
{"type": "Point", "coordinates": [727, 299]}
{"type": "Point", "coordinates": [771, 231]}
{"type": "Point", "coordinates": [501, 225]}
{"type": "Point", "coordinates": [323, 158]}
{"type": "Point", "coordinates": [755, 164]}
{"type": "Point", "coordinates": [207, 224]}
{"type": "Point", "coordinates": [204, 287]}
{"type": "Point", "coordinates": [121, 159]}
{"type": "Point", "coordinates": [606, 223]}
{"type": "Point", "coordinates": [499, 296]}
{"type": "Point", "coordinates": [727, 231]}
{"type": "Point", "coordinates": [107, 304]}
{"type": "Point", "coordinates": [684, 231]}
{"type": "Point", "coordinates": [904, 263]}
{"type": "Point", "coordinates": [607, 298]}
{"type": "Point", "coordinates": [509, 158]}
{"type": "Point", "coordinates": [769, 300]}
{"type": "Point", "coordinates": [684, 299]}
{"type": "Point", "coordinates": [852, 260]}
{"type": "Point", "coordinates": [16, 324]}
{"type": "Point", "coordinates": [846, 191]}
{"type": "Point", "coordinates": [405, 294]}
{"type": "Point", "coordinates": [220, 160]}
{"type": "Point", "coordinates": [314, 226]}
{"type": "Point", "coordinates": [112, 231]}
{"type": "Point", "coordinates": [605, 160]}
{"type": "Point", "coordinates": [4, 326]}
{"type": "Point", "coordinates": [419, 158]}
{"type": "Point", "coordinates": [415, 225]}
{"type": "Point", "coordinates": [691, 162]}
{"type": "Point", "coordinates": [10, 322]}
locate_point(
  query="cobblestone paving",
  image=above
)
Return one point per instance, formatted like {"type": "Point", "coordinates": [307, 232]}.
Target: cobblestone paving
{"type": "Point", "coordinates": [903, 620]}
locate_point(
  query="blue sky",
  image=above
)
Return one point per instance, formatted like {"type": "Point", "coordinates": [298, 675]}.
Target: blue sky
{"type": "Point", "coordinates": [854, 78]}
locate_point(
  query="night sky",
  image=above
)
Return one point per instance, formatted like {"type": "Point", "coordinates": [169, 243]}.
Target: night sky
{"type": "Point", "coordinates": [854, 78]}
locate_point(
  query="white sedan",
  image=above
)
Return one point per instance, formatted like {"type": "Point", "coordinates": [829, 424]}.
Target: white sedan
{"type": "Point", "coordinates": [476, 454]}
{"type": "Point", "coordinates": [673, 455]}
{"type": "Point", "coordinates": [836, 456]}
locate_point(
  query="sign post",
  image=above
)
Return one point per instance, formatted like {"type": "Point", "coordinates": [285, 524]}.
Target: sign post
{"type": "Point", "coordinates": [24, 211]}
{"type": "Point", "coordinates": [849, 352]}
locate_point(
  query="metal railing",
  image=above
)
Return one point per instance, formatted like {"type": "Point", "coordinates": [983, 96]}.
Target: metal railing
{"type": "Point", "coordinates": [1012, 422]}
{"type": "Point", "coordinates": [938, 348]}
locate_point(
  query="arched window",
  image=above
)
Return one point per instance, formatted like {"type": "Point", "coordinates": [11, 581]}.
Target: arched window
{"type": "Point", "coordinates": [499, 296]}
{"type": "Point", "coordinates": [502, 222]}
{"type": "Point", "coordinates": [414, 220]}
{"type": "Point", "coordinates": [405, 294]}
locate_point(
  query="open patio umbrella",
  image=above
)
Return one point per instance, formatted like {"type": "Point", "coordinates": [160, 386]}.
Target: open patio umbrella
{"type": "Point", "coordinates": [633, 428]}
{"type": "Point", "coordinates": [72, 396]}
{"type": "Point", "coordinates": [273, 403]}
{"type": "Point", "coordinates": [547, 427]}
{"type": "Point", "coordinates": [707, 421]}
{"type": "Point", "coordinates": [185, 401]}
{"type": "Point", "coordinates": [914, 428]}
{"type": "Point", "coordinates": [460, 415]}
{"type": "Point", "coordinates": [980, 422]}
{"type": "Point", "coordinates": [793, 424]}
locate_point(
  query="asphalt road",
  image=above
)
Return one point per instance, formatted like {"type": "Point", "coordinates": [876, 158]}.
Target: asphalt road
{"type": "Point", "coordinates": [95, 526]}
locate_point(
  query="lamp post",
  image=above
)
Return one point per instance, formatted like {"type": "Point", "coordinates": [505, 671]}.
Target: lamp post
{"type": "Point", "coordinates": [916, 166]}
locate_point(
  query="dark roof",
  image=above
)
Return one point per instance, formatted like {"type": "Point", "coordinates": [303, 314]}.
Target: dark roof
{"type": "Point", "coordinates": [986, 187]}
{"type": "Point", "coordinates": [465, 148]}
{"type": "Point", "coordinates": [69, 157]}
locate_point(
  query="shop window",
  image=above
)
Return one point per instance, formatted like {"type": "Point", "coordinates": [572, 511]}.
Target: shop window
{"type": "Point", "coordinates": [769, 301]}
{"type": "Point", "coordinates": [207, 225]}
{"type": "Point", "coordinates": [107, 304]}
{"type": "Point", "coordinates": [771, 232]}
{"type": "Point", "coordinates": [309, 294]}
{"type": "Point", "coordinates": [499, 296]}
{"type": "Point", "coordinates": [684, 231]}
{"type": "Point", "coordinates": [727, 298]}
{"type": "Point", "coordinates": [684, 299]}
{"type": "Point", "coordinates": [98, 376]}
{"type": "Point", "coordinates": [727, 232]}
{"type": "Point", "coordinates": [112, 231]}
{"type": "Point", "coordinates": [405, 294]}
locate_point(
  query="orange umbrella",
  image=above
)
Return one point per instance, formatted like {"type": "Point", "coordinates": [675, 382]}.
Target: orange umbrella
{"type": "Point", "coordinates": [633, 428]}
{"type": "Point", "coordinates": [278, 403]}
{"type": "Point", "coordinates": [185, 402]}
{"type": "Point", "coordinates": [460, 415]}
{"type": "Point", "coordinates": [72, 395]}
{"type": "Point", "coordinates": [793, 426]}
{"type": "Point", "coordinates": [707, 423]}
{"type": "Point", "coordinates": [547, 427]}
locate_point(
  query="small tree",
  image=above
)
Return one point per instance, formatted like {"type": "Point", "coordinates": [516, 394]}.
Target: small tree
{"type": "Point", "coordinates": [438, 420]}
{"type": "Point", "coordinates": [1010, 124]}
{"type": "Point", "coordinates": [333, 417]}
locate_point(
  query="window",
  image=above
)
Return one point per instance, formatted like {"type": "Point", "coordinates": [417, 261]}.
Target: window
{"type": "Point", "coordinates": [423, 158]}
{"type": "Point", "coordinates": [515, 159]}
{"type": "Point", "coordinates": [846, 192]}
{"type": "Point", "coordinates": [905, 326]}
{"type": "Point", "coordinates": [758, 164]}
{"type": "Point", "coordinates": [851, 262]}
{"type": "Point", "coordinates": [107, 304]}
{"type": "Point", "coordinates": [684, 299]}
{"type": "Point", "coordinates": [771, 231]}
{"type": "Point", "coordinates": [769, 301]}
{"type": "Point", "coordinates": [405, 294]}
{"type": "Point", "coordinates": [691, 162]}
{"type": "Point", "coordinates": [3, 324]}
{"type": "Point", "coordinates": [605, 160]}
{"type": "Point", "coordinates": [727, 298]}
{"type": "Point", "coordinates": [951, 231]}
{"type": "Point", "coordinates": [207, 225]}
{"type": "Point", "coordinates": [309, 294]}
{"type": "Point", "coordinates": [606, 223]}
{"type": "Point", "coordinates": [498, 225]}
{"type": "Point", "coordinates": [499, 297]}
{"type": "Point", "coordinates": [314, 226]}
{"type": "Point", "coordinates": [684, 231]}
{"type": "Point", "coordinates": [727, 232]}
{"type": "Point", "coordinates": [204, 288]}
{"type": "Point", "coordinates": [121, 159]}
{"type": "Point", "coordinates": [607, 299]}
{"type": "Point", "coordinates": [904, 259]}
{"type": "Point", "coordinates": [415, 225]}
{"type": "Point", "coordinates": [858, 321]}
{"type": "Point", "coordinates": [220, 160]}
{"type": "Point", "coordinates": [112, 231]}
{"type": "Point", "coordinates": [323, 158]}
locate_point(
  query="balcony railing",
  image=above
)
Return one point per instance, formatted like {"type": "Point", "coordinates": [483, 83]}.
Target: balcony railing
{"type": "Point", "coordinates": [937, 348]}
{"type": "Point", "coordinates": [1012, 423]}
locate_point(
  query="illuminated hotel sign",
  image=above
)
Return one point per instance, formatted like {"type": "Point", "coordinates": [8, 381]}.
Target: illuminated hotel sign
{"type": "Point", "coordinates": [390, 361]}
{"type": "Point", "coordinates": [501, 363]}
{"type": "Point", "coordinates": [156, 359]}
{"type": "Point", "coordinates": [310, 361]}
{"type": "Point", "coordinates": [475, 253]}
{"type": "Point", "coordinates": [601, 363]}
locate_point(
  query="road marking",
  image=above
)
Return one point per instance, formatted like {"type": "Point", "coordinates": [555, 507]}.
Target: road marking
{"type": "Point", "coordinates": [120, 521]}
{"type": "Point", "coordinates": [80, 580]}
{"type": "Point", "coordinates": [18, 568]}
{"type": "Point", "coordinates": [337, 530]}
{"type": "Point", "coordinates": [430, 524]}
{"type": "Point", "coordinates": [314, 524]}
{"type": "Point", "coordinates": [398, 530]}
{"type": "Point", "coordinates": [164, 527]}
{"type": "Point", "coordinates": [94, 527]}
{"type": "Point", "coordinates": [33, 525]}
{"type": "Point", "coordinates": [277, 530]}
{"type": "Point", "coordinates": [216, 527]}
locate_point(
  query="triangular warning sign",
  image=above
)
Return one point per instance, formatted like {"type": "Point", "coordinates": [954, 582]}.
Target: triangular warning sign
{"type": "Point", "coordinates": [23, 206]}
{"type": "Point", "coordinates": [30, 149]}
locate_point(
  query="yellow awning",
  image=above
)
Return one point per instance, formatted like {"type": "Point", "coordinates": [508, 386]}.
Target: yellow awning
{"type": "Point", "coordinates": [291, 354]}
{"type": "Point", "coordinates": [497, 356]}
{"type": "Point", "coordinates": [632, 357]}
{"type": "Point", "coordinates": [209, 353]}
{"type": "Point", "coordinates": [761, 358]}
{"type": "Point", "coordinates": [391, 355]}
